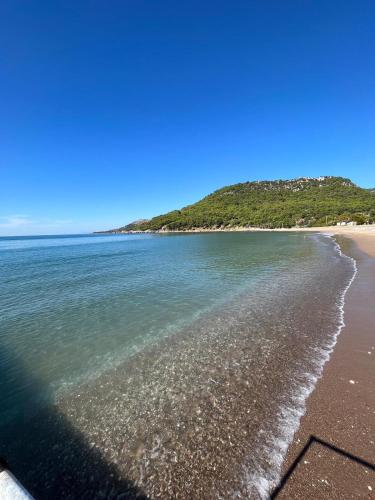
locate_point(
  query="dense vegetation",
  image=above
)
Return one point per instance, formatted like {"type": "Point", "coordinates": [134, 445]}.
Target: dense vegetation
{"type": "Point", "coordinates": [271, 204]}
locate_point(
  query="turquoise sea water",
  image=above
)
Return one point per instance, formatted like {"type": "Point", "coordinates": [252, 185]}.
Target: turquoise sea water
{"type": "Point", "coordinates": [71, 306]}
{"type": "Point", "coordinates": [75, 309]}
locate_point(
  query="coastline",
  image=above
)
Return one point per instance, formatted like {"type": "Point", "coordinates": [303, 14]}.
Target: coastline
{"type": "Point", "coordinates": [362, 229]}
{"type": "Point", "coordinates": [125, 399]}
{"type": "Point", "coordinates": [341, 408]}
{"type": "Point", "coordinates": [176, 418]}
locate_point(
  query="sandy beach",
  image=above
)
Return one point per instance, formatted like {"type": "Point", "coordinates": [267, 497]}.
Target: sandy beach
{"type": "Point", "coordinates": [341, 410]}
{"type": "Point", "coordinates": [363, 236]}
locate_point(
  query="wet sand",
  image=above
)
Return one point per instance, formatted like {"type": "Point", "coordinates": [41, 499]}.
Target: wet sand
{"type": "Point", "coordinates": [341, 410]}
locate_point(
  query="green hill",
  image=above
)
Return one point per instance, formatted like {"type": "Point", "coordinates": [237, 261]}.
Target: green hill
{"type": "Point", "coordinates": [288, 203]}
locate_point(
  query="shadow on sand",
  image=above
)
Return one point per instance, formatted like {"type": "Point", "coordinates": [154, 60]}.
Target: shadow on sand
{"type": "Point", "coordinates": [46, 453]}
{"type": "Point", "coordinates": [313, 440]}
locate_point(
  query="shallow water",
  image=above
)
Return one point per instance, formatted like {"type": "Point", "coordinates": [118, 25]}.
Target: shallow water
{"type": "Point", "coordinates": [177, 362]}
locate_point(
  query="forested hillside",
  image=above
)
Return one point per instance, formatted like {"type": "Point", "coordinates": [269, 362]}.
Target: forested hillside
{"type": "Point", "coordinates": [281, 203]}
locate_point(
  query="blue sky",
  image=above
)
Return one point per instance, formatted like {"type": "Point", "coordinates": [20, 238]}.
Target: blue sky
{"type": "Point", "coordinates": [118, 110]}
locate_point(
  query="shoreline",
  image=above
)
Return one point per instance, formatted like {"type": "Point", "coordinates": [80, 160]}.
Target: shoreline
{"type": "Point", "coordinates": [330, 409]}
{"type": "Point", "coordinates": [350, 231]}
{"type": "Point", "coordinates": [287, 379]}
{"type": "Point", "coordinates": [289, 417]}
{"type": "Point", "coordinates": [261, 485]}
{"type": "Point", "coordinates": [177, 419]}
{"type": "Point", "coordinates": [341, 407]}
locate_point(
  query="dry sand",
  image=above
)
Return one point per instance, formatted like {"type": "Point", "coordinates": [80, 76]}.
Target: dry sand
{"type": "Point", "coordinates": [341, 410]}
{"type": "Point", "coordinates": [363, 236]}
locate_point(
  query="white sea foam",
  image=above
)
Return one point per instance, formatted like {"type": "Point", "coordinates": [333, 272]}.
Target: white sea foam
{"type": "Point", "coordinates": [262, 481]}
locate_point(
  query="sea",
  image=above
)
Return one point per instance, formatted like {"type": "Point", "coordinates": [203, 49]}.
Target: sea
{"type": "Point", "coordinates": [162, 365]}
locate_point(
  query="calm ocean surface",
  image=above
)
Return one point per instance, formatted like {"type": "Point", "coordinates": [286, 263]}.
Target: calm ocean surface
{"type": "Point", "coordinates": [147, 348]}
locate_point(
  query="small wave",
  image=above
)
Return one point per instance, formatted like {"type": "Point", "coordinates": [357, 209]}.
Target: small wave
{"type": "Point", "coordinates": [275, 449]}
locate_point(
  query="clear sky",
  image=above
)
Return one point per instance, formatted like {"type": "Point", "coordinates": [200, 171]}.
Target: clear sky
{"type": "Point", "coordinates": [118, 110]}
